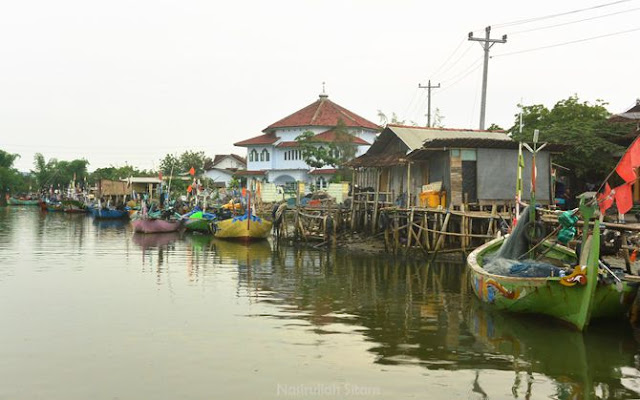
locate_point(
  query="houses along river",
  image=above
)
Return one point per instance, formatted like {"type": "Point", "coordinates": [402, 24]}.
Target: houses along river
{"type": "Point", "coordinates": [90, 310]}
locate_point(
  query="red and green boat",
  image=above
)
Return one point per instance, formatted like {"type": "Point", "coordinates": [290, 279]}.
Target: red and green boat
{"type": "Point", "coordinates": [588, 291]}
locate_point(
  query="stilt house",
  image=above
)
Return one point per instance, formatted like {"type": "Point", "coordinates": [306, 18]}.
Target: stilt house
{"type": "Point", "coordinates": [405, 164]}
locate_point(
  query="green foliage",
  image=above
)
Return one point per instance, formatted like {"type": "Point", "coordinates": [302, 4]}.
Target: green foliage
{"type": "Point", "coordinates": [495, 127]}
{"type": "Point", "coordinates": [234, 183]}
{"type": "Point", "coordinates": [582, 127]}
{"type": "Point", "coordinates": [117, 173]}
{"type": "Point", "coordinates": [319, 154]}
{"type": "Point", "coordinates": [11, 180]}
{"type": "Point", "coordinates": [171, 164]}
{"type": "Point", "coordinates": [58, 173]}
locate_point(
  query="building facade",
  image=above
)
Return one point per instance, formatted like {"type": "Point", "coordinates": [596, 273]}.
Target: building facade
{"type": "Point", "coordinates": [276, 157]}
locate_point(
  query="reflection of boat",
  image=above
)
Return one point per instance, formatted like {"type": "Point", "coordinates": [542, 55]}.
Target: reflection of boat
{"type": "Point", "coordinates": [242, 253]}
{"type": "Point", "coordinates": [575, 298]}
{"type": "Point", "coordinates": [243, 228]}
{"type": "Point", "coordinates": [110, 223]}
{"type": "Point", "coordinates": [157, 240]}
{"type": "Point", "coordinates": [13, 201]}
{"type": "Point", "coordinates": [577, 361]}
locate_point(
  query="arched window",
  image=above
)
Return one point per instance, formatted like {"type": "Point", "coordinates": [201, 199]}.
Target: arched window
{"type": "Point", "coordinates": [264, 155]}
{"type": "Point", "coordinates": [253, 156]}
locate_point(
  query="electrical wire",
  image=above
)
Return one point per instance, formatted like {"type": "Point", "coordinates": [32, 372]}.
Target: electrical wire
{"type": "Point", "coordinates": [573, 22]}
{"type": "Point", "coordinates": [435, 73]}
{"type": "Point", "coordinates": [565, 43]}
{"type": "Point", "coordinates": [460, 79]}
{"type": "Point", "coordinates": [529, 20]}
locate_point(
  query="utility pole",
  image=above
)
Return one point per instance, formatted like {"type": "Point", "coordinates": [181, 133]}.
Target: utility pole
{"type": "Point", "coordinates": [428, 87]}
{"type": "Point", "coordinates": [486, 44]}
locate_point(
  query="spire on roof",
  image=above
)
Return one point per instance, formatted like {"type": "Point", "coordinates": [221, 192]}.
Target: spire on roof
{"type": "Point", "coordinates": [324, 94]}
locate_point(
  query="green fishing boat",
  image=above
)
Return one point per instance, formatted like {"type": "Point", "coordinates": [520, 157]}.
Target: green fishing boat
{"type": "Point", "coordinates": [584, 294]}
{"type": "Point", "coordinates": [14, 201]}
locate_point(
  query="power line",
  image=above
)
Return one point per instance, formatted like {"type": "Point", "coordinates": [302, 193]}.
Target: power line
{"type": "Point", "coordinates": [462, 77]}
{"type": "Point", "coordinates": [456, 61]}
{"type": "Point", "coordinates": [573, 22]}
{"type": "Point", "coordinates": [448, 58]}
{"type": "Point", "coordinates": [528, 20]}
{"type": "Point", "coordinates": [566, 43]}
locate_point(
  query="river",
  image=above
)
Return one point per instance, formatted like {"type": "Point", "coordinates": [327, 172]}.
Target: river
{"type": "Point", "coordinates": [91, 311]}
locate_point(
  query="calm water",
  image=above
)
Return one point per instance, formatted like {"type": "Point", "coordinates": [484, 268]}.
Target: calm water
{"type": "Point", "coordinates": [91, 311]}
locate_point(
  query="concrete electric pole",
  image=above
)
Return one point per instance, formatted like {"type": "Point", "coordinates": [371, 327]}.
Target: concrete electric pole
{"type": "Point", "coordinates": [428, 87]}
{"type": "Point", "coordinates": [486, 44]}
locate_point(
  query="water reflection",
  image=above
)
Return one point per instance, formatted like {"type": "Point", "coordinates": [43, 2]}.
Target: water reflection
{"type": "Point", "coordinates": [400, 324]}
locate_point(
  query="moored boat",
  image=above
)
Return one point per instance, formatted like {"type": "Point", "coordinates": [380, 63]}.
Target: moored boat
{"type": "Point", "coordinates": [108, 213]}
{"type": "Point", "coordinates": [156, 225]}
{"type": "Point", "coordinates": [587, 290]}
{"type": "Point", "coordinates": [18, 201]}
{"type": "Point", "coordinates": [244, 228]}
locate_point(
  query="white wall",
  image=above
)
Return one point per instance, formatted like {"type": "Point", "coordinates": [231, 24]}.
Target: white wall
{"type": "Point", "coordinates": [260, 165]}
{"type": "Point", "coordinates": [229, 162]}
{"type": "Point", "coordinates": [219, 176]}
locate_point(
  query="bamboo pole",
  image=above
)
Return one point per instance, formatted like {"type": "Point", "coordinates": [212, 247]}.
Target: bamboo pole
{"type": "Point", "coordinates": [375, 202]}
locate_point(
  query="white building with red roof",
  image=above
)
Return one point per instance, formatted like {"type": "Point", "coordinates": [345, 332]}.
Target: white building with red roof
{"type": "Point", "coordinates": [275, 156]}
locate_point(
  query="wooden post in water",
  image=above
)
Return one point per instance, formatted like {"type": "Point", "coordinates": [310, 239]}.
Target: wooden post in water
{"type": "Point", "coordinates": [375, 202]}
{"type": "Point", "coordinates": [353, 200]}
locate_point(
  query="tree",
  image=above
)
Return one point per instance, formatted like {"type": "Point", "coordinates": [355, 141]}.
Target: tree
{"type": "Point", "coordinates": [58, 173]}
{"type": "Point", "coordinates": [495, 127]}
{"type": "Point", "coordinates": [116, 173]}
{"type": "Point", "coordinates": [171, 164]}
{"type": "Point", "coordinates": [10, 179]}
{"type": "Point", "coordinates": [318, 154]}
{"type": "Point", "coordinates": [582, 127]}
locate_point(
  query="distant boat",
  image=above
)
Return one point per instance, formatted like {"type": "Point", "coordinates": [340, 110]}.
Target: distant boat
{"type": "Point", "coordinates": [159, 221]}
{"type": "Point", "coordinates": [13, 201]}
{"type": "Point", "coordinates": [243, 228]}
{"type": "Point", "coordinates": [149, 225]}
{"type": "Point", "coordinates": [108, 213]}
{"type": "Point", "coordinates": [199, 221]}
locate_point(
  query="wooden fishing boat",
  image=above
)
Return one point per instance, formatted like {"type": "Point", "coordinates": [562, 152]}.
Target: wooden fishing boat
{"type": "Point", "coordinates": [243, 228]}
{"type": "Point", "coordinates": [153, 225]}
{"type": "Point", "coordinates": [13, 201]}
{"type": "Point", "coordinates": [199, 221]}
{"type": "Point", "coordinates": [108, 213]}
{"type": "Point", "coordinates": [577, 298]}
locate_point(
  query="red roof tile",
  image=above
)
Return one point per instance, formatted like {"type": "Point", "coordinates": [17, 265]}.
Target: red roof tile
{"type": "Point", "coordinates": [288, 144]}
{"type": "Point", "coordinates": [323, 172]}
{"type": "Point", "coordinates": [323, 112]}
{"type": "Point", "coordinates": [267, 138]}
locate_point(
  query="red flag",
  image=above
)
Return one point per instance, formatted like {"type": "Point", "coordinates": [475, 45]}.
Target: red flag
{"type": "Point", "coordinates": [189, 189]}
{"type": "Point", "coordinates": [605, 199]}
{"type": "Point", "coordinates": [160, 175]}
{"type": "Point", "coordinates": [625, 168]}
{"type": "Point", "coordinates": [192, 171]}
{"type": "Point", "coordinates": [634, 151]}
{"type": "Point", "coordinates": [624, 198]}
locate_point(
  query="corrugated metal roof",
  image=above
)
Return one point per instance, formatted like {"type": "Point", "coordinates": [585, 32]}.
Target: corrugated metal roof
{"type": "Point", "coordinates": [416, 137]}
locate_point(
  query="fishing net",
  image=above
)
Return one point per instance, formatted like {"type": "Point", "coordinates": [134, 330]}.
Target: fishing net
{"type": "Point", "coordinates": [506, 261]}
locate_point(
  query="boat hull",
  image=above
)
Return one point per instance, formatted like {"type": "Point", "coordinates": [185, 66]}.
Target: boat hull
{"type": "Point", "coordinates": [548, 296]}
{"type": "Point", "coordinates": [240, 229]}
{"type": "Point", "coordinates": [12, 201]}
{"type": "Point", "coordinates": [155, 226]}
{"type": "Point", "coordinates": [108, 213]}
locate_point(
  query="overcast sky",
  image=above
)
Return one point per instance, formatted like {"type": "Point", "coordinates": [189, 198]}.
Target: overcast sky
{"type": "Point", "coordinates": [129, 81]}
